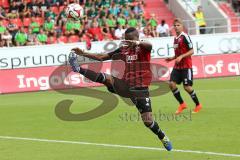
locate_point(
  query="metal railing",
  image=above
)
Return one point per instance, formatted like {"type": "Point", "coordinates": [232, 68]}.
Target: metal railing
{"type": "Point", "coordinates": [214, 25]}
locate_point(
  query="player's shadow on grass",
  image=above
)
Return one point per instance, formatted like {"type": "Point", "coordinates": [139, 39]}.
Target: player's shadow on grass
{"type": "Point", "coordinates": [109, 100]}
{"type": "Point", "coordinates": [109, 103]}
{"type": "Point", "coordinates": [62, 109]}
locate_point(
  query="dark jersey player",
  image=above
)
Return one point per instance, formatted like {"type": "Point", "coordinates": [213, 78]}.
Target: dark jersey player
{"type": "Point", "coordinates": [182, 71]}
{"type": "Point", "coordinates": [135, 80]}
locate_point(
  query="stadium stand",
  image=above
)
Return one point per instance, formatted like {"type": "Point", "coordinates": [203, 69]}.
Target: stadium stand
{"type": "Point", "coordinates": [102, 18]}
{"type": "Point", "coordinates": [159, 8]}
{"type": "Point", "coordinates": [233, 16]}
{"type": "Point", "coordinates": [33, 15]}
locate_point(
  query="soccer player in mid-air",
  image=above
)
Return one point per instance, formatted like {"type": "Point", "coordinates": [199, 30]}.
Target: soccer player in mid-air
{"type": "Point", "coordinates": [135, 80]}
{"type": "Point", "coordinates": [182, 71]}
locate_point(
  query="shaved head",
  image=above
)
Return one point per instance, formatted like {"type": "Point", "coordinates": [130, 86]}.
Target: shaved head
{"type": "Point", "coordinates": [131, 34]}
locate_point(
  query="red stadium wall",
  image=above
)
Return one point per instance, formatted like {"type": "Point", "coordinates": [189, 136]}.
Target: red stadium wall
{"type": "Point", "coordinates": [55, 77]}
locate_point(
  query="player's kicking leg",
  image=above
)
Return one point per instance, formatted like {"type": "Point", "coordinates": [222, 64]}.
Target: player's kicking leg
{"type": "Point", "coordinates": [93, 76]}
{"type": "Point", "coordinates": [144, 107]}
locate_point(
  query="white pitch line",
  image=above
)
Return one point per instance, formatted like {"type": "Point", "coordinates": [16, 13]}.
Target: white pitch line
{"type": "Point", "coordinates": [219, 90]}
{"type": "Point", "coordinates": [117, 146]}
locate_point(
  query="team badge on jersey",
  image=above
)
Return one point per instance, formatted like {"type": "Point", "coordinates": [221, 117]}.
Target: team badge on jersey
{"type": "Point", "coordinates": [131, 58]}
{"type": "Point", "coordinates": [175, 46]}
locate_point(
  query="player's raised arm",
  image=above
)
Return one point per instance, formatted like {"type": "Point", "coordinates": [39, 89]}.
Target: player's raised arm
{"type": "Point", "coordinates": [95, 56]}
{"type": "Point", "coordinates": [143, 44]}
{"type": "Point", "coordinates": [169, 59]}
{"type": "Point", "coordinates": [179, 58]}
{"type": "Point", "coordinates": [132, 40]}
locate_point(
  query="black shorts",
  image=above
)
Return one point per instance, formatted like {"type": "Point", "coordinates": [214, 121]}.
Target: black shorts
{"type": "Point", "coordinates": [138, 95]}
{"type": "Point", "coordinates": [184, 76]}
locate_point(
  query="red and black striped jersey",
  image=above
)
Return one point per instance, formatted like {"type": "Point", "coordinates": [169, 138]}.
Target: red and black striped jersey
{"type": "Point", "coordinates": [183, 44]}
{"type": "Point", "coordinates": [136, 71]}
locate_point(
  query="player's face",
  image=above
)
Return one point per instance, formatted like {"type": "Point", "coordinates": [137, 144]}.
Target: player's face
{"type": "Point", "coordinates": [132, 36]}
{"type": "Point", "coordinates": [178, 27]}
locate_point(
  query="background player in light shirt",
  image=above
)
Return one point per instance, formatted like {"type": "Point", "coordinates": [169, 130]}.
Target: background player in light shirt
{"type": "Point", "coordinates": [182, 70]}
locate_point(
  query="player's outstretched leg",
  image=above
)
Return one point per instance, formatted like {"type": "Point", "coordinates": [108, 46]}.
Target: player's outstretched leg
{"type": "Point", "coordinates": [93, 76]}
{"type": "Point", "coordinates": [144, 107]}
{"type": "Point", "coordinates": [194, 97]}
{"type": "Point", "coordinates": [177, 95]}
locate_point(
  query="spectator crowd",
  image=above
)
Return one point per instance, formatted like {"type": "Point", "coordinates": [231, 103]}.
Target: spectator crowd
{"type": "Point", "coordinates": [35, 22]}
{"type": "Point", "coordinates": [235, 5]}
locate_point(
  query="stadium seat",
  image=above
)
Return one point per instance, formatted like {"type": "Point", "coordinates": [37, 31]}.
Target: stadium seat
{"type": "Point", "coordinates": [55, 9]}
{"type": "Point", "coordinates": [26, 22]}
{"type": "Point", "coordinates": [52, 40]}
{"type": "Point", "coordinates": [5, 4]}
{"type": "Point", "coordinates": [147, 15]}
{"type": "Point", "coordinates": [160, 9]}
{"type": "Point", "coordinates": [26, 30]}
{"type": "Point", "coordinates": [39, 20]}
{"type": "Point", "coordinates": [73, 39]}
{"type": "Point", "coordinates": [17, 21]}
{"type": "Point", "coordinates": [5, 22]}
{"type": "Point", "coordinates": [62, 39]}
{"type": "Point", "coordinates": [61, 8]}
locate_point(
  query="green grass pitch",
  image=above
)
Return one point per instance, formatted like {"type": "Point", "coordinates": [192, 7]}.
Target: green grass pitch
{"type": "Point", "coordinates": [215, 129]}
